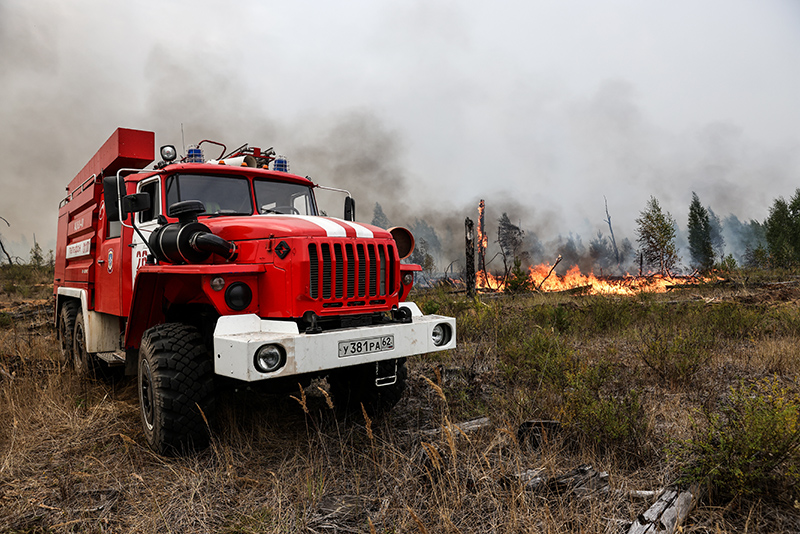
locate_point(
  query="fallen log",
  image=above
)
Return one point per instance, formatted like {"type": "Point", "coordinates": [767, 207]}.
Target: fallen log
{"type": "Point", "coordinates": [580, 290]}
{"type": "Point", "coordinates": [30, 311]}
{"type": "Point", "coordinates": [669, 511]}
{"type": "Point", "coordinates": [581, 481]}
{"type": "Point", "coordinates": [466, 426]}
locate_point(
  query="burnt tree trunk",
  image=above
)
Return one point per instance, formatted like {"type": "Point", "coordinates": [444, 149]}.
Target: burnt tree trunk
{"type": "Point", "coordinates": [469, 238]}
{"type": "Point", "coordinates": [482, 238]}
{"type": "Point", "coordinates": [1, 244]}
{"type": "Point", "coordinates": [6, 253]}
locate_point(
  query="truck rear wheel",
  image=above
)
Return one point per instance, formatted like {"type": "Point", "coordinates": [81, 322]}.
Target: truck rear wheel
{"type": "Point", "coordinates": [84, 363]}
{"type": "Point", "coordinates": [353, 386]}
{"type": "Point", "coordinates": [66, 329]}
{"type": "Point", "coordinates": [176, 388]}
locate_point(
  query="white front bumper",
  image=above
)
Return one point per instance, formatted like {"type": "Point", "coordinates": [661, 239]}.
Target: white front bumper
{"type": "Point", "coordinates": [237, 337]}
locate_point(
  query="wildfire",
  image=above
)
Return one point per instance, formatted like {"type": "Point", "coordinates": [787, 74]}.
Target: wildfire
{"type": "Point", "coordinates": [542, 279]}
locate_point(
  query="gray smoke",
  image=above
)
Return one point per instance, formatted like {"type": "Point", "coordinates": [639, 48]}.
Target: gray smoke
{"type": "Point", "coordinates": [72, 73]}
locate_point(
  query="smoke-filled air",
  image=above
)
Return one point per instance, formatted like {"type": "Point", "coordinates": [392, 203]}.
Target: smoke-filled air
{"type": "Point", "coordinates": [566, 118]}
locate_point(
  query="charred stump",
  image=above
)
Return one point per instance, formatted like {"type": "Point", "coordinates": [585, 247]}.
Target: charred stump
{"type": "Point", "coordinates": [469, 238]}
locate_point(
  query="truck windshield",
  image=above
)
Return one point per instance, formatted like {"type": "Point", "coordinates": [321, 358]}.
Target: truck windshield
{"type": "Point", "coordinates": [221, 195]}
{"type": "Point", "coordinates": [282, 197]}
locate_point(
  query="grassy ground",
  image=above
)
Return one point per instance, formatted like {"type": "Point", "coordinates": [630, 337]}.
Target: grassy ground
{"type": "Point", "coordinates": [694, 387]}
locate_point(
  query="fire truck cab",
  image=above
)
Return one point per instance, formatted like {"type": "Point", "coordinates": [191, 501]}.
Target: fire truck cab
{"type": "Point", "coordinates": [192, 272]}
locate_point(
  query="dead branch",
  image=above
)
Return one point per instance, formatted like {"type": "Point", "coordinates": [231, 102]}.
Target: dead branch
{"type": "Point", "coordinates": [611, 230]}
{"type": "Point", "coordinates": [553, 268]}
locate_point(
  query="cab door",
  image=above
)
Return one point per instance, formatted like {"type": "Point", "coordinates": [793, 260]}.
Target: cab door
{"type": "Point", "coordinates": [108, 266]}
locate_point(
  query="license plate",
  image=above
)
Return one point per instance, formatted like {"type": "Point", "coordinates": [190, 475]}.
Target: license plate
{"type": "Point", "coordinates": [355, 347]}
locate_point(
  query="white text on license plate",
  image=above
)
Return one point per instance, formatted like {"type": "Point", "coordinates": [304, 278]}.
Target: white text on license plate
{"type": "Point", "coordinates": [365, 346]}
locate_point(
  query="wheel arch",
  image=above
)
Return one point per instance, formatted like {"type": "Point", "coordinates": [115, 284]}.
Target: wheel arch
{"type": "Point", "coordinates": [102, 330]}
{"type": "Point", "coordinates": [161, 298]}
{"type": "Point", "coordinates": [64, 295]}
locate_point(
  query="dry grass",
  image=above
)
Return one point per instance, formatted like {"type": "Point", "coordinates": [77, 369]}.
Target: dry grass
{"type": "Point", "coordinates": [72, 457]}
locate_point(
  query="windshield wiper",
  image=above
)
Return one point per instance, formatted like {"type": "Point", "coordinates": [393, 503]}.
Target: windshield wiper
{"type": "Point", "coordinates": [220, 213]}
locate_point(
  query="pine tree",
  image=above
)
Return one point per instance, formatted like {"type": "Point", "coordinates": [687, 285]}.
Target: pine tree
{"type": "Point", "coordinates": [701, 247]}
{"type": "Point", "coordinates": [420, 229]}
{"type": "Point", "coordinates": [379, 218]}
{"type": "Point", "coordinates": [509, 237]}
{"type": "Point", "coordinates": [656, 237]}
{"type": "Point", "coordinates": [717, 240]}
{"type": "Point", "coordinates": [782, 229]}
{"type": "Point", "coordinates": [421, 257]}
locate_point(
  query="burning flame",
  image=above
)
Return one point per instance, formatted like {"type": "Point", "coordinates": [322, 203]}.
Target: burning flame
{"type": "Point", "coordinates": [587, 284]}
{"type": "Point", "coordinates": [483, 239]}
{"type": "Point", "coordinates": [543, 278]}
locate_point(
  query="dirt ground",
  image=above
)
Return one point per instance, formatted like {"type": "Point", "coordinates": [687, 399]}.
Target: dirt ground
{"type": "Point", "coordinates": [73, 459]}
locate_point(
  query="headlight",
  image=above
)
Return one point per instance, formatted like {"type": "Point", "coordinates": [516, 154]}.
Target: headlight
{"type": "Point", "coordinates": [441, 334]}
{"type": "Point", "coordinates": [269, 358]}
{"type": "Point", "coordinates": [238, 296]}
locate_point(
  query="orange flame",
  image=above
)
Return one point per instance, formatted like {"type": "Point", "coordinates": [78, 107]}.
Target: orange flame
{"type": "Point", "coordinates": [587, 283]}
{"type": "Point", "coordinates": [483, 239]}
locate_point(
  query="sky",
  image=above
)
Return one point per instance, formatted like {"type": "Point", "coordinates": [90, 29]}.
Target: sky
{"type": "Point", "coordinates": [541, 107]}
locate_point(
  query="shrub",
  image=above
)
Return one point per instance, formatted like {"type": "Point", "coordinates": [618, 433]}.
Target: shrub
{"type": "Point", "coordinates": [751, 446]}
{"type": "Point", "coordinates": [731, 320]}
{"type": "Point", "coordinates": [609, 314]}
{"type": "Point", "coordinates": [675, 355]}
{"type": "Point", "coordinates": [517, 280]}
{"type": "Point", "coordinates": [605, 419]}
{"type": "Point", "coordinates": [540, 357]}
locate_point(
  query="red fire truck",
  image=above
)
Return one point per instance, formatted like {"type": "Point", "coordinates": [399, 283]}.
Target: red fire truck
{"type": "Point", "coordinates": [191, 273]}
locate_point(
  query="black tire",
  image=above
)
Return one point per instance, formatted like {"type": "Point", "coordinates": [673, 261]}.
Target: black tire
{"type": "Point", "coordinates": [66, 329]}
{"type": "Point", "coordinates": [353, 386]}
{"type": "Point", "coordinates": [176, 388]}
{"type": "Point", "coordinates": [85, 364]}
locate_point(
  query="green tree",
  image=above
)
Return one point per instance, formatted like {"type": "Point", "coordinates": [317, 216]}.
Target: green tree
{"type": "Point", "coordinates": [782, 231]}
{"type": "Point", "coordinates": [420, 229]}
{"type": "Point", "coordinates": [37, 258]}
{"type": "Point", "coordinates": [421, 257]}
{"type": "Point", "coordinates": [717, 240]}
{"type": "Point", "coordinates": [747, 241]}
{"type": "Point", "coordinates": [656, 237]}
{"type": "Point", "coordinates": [701, 247]}
{"type": "Point", "coordinates": [510, 238]}
{"type": "Point", "coordinates": [379, 218]}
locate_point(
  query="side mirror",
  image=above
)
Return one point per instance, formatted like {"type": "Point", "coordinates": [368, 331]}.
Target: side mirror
{"type": "Point", "coordinates": [349, 209]}
{"type": "Point", "coordinates": [135, 203]}
{"type": "Point", "coordinates": [113, 190]}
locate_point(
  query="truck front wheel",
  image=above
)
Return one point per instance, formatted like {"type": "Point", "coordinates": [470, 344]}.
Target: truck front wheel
{"type": "Point", "coordinates": [354, 386]}
{"type": "Point", "coordinates": [176, 388]}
